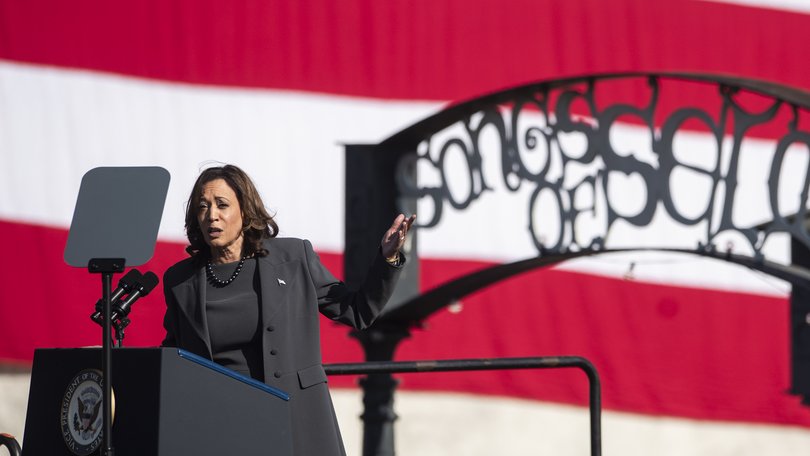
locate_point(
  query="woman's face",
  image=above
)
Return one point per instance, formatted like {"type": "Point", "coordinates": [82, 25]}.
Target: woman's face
{"type": "Point", "coordinates": [220, 217]}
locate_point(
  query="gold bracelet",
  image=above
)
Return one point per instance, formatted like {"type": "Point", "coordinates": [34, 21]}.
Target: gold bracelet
{"type": "Point", "coordinates": [395, 261]}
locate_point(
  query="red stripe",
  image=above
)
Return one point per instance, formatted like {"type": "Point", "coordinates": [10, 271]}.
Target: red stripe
{"type": "Point", "coordinates": [423, 49]}
{"type": "Point", "coordinates": [659, 350]}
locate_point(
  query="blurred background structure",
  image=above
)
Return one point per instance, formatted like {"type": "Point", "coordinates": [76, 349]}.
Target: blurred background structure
{"type": "Point", "coordinates": [694, 354]}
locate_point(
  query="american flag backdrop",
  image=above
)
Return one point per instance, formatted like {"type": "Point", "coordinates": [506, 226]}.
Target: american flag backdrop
{"type": "Point", "coordinates": [694, 358]}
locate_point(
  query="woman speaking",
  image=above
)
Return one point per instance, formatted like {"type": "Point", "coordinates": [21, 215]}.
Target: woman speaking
{"type": "Point", "coordinates": [249, 301]}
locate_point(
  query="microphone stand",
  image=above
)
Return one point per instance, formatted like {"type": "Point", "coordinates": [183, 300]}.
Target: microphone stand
{"type": "Point", "coordinates": [107, 267]}
{"type": "Point", "coordinates": [119, 325]}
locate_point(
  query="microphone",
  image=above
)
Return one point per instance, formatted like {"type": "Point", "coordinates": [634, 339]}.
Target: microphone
{"type": "Point", "coordinates": [141, 288]}
{"type": "Point", "coordinates": [125, 285]}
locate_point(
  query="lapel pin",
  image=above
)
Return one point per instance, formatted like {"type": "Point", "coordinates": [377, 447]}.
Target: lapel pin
{"type": "Point", "coordinates": [281, 282]}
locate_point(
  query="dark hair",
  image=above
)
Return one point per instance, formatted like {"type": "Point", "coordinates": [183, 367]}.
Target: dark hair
{"type": "Point", "coordinates": [257, 224]}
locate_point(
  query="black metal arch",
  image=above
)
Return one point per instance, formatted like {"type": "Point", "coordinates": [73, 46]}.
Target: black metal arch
{"type": "Point", "coordinates": [395, 157]}
{"type": "Point", "coordinates": [554, 100]}
{"type": "Point", "coordinates": [371, 168]}
{"type": "Point", "coordinates": [371, 199]}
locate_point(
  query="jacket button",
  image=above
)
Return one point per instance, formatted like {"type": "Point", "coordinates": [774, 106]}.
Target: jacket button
{"type": "Point", "coordinates": [273, 351]}
{"type": "Point", "coordinates": [277, 374]}
{"type": "Point", "coordinates": [271, 328]}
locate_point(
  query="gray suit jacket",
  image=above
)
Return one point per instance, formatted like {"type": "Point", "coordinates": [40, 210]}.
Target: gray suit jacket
{"type": "Point", "coordinates": [295, 287]}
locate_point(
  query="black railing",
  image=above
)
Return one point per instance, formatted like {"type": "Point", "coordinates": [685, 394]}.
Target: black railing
{"type": "Point", "coordinates": [550, 362]}
{"type": "Point", "coordinates": [11, 444]}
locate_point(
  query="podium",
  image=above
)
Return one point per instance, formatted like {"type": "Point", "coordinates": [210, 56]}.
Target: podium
{"type": "Point", "coordinates": [167, 402]}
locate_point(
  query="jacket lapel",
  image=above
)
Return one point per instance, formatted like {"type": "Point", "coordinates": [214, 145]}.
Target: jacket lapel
{"type": "Point", "coordinates": [276, 278]}
{"type": "Point", "coordinates": [190, 297]}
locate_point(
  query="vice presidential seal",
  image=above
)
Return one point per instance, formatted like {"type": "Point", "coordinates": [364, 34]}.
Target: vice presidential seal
{"type": "Point", "coordinates": [80, 416]}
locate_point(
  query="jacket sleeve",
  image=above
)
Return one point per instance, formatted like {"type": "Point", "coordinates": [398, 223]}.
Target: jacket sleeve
{"type": "Point", "coordinates": [357, 308]}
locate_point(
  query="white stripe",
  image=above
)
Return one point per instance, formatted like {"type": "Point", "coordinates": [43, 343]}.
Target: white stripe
{"type": "Point", "coordinates": [797, 6]}
{"type": "Point", "coordinates": [443, 424]}
{"type": "Point", "coordinates": [56, 124]}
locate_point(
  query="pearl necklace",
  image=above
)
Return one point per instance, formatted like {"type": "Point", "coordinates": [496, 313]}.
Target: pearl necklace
{"type": "Point", "coordinates": [216, 281]}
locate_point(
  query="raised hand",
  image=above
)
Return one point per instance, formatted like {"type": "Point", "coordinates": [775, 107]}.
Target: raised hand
{"type": "Point", "coordinates": [394, 237]}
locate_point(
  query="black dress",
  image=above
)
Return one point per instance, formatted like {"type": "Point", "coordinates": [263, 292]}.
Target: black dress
{"type": "Point", "coordinates": [234, 320]}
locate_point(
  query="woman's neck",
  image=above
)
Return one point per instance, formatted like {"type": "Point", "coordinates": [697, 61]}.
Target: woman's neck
{"type": "Point", "coordinates": [227, 254]}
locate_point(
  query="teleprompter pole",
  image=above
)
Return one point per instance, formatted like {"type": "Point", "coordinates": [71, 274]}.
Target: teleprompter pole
{"type": "Point", "coordinates": [107, 267]}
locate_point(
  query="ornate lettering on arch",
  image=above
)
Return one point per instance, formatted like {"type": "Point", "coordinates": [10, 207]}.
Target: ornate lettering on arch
{"type": "Point", "coordinates": [537, 121]}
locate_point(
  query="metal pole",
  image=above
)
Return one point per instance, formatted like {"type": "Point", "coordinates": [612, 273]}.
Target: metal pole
{"type": "Point", "coordinates": [106, 267]}
{"type": "Point", "coordinates": [379, 344]}
{"type": "Point", "coordinates": [106, 366]}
